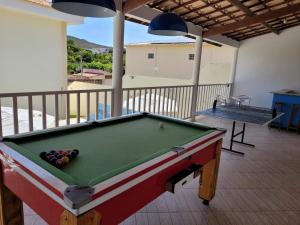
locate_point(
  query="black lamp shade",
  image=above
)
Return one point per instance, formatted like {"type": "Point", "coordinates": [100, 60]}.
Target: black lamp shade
{"type": "Point", "coordinates": [88, 8]}
{"type": "Point", "coordinates": [168, 24]}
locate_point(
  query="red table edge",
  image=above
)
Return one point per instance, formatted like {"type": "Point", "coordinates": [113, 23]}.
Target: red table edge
{"type": "Point", "coordinates": [106, 190]}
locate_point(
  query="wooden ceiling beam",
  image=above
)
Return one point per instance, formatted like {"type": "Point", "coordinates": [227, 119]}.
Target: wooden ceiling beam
{"type": "Point", "coordinates": [245, 29]}
{"type": "Point", "coordinates": [156, 3]}
{"type": "Point", "coordinates": [243, 15]}
{"type": "Point", "coordinates": [289, 26]}
{"type": "Point", "coordinates": [200, 8]}
{"type": "Point", "coordinates": [253, 20]}
{"type": "Point", "coordinates": [130, 5]}
{"type": "Point", "coordinates": [211, 12]}
{"type": "Point", "coordinates": [249, 13]}
{"type": "Point", "coordinates": [229, 14]}
{"type": "Point", "coordinates": [241, 6]}
{"type": "Point", "coordinates": [254, 35]}
{"type": "Point", "coordinates": [183, 4]}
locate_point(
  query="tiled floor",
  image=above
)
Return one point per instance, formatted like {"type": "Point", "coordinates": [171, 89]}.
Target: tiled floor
{"type": "Point", "coordinates": [260, 188]}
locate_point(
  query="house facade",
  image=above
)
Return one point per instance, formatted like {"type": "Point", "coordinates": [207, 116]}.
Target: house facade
{"type": "Point", "coordinates": [161, 60]}
{"type": "Point", "coordinates": [33, 47]}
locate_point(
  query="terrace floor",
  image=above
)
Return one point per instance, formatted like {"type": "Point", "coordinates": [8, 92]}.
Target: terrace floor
{"type": "Point", "coordinates": [260, 188]}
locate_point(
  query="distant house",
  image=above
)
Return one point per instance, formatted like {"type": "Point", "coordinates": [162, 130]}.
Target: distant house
{"type": "Point", "coordinates": [101, 50]}
{"type": "Point", "coordinates": [160, 59]}
{"type": "Point", "coordinates": [90, 76]}
{"type": "Point", "coordinates": [33, 43]}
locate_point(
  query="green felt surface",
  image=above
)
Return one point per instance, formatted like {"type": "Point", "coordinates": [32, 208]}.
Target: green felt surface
{"type": "Point", "coordinates": [106, 151]}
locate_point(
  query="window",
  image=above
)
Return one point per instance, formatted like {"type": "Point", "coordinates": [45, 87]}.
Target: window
{"type": "Point", "coordinates": [150, 55]}
{"type": "Point", "coordinates": [191, 56]}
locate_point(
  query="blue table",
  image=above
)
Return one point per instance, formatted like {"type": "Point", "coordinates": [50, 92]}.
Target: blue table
{"type": "Point", "coordinates": [288, 97]}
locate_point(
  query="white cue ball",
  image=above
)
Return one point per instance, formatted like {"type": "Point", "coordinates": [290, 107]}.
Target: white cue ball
{"type": "Point", "coordinates": [161, 125]}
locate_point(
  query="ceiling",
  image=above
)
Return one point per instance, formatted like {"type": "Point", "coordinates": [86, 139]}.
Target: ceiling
{"type": "Point", "coordinates": [235, 19]}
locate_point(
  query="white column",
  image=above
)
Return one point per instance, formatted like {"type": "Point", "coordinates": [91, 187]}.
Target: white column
{"type": "Point", "coordinates": [233, 70]}
{"type": "Point", "coordinates": [196, 75]}
{"type": "Point", "coordinates": [117, 70]}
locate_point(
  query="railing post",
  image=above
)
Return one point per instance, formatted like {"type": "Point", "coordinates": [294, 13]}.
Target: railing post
{"type": "Point", "coordinates": [196, 74]}
{"type": "Point", "coordinates": [118, 49]}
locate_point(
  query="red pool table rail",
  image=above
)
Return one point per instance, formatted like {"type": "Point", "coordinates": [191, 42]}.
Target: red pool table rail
{"type": "Point", "coordinates": [112, 200]}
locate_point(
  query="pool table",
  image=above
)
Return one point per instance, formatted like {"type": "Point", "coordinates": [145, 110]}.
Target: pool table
{"type": "Point", "coordinates": [124, 163]}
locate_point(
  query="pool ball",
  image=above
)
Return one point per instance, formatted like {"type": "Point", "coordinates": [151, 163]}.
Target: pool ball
{"type": "Point", "coordinates": [53, 161]}
{"type": "Point", "coordinates": [49, 157]}
{"type": "Point", "coordinates": [161, 125]}
{"type": "Point", "coordinates": [69, 156]}
{"type": "Point", "coordinates": [59, 156]}
{"type": "Point", "coordinates": [52, 152]}
{"type": "Point", "coordinates": [59, 163]}
{"type": "Point", "coordinates": [43, 155]}
{"type": "Point", "coordinates": [65, 160]}
{"type": "Point", "coordinates": [73, 155]}
{"type": "Point", "coordinates": [76, 151]}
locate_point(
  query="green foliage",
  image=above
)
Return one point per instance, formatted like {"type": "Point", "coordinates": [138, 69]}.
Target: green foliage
{"type": "Point", "coordinates": [72, 68]}
{"type": "Point", "coordinates": [90, 60]}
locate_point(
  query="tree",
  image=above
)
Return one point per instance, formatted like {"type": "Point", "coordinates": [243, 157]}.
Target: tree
{"type": "Point", "coordinates": [90, 60]}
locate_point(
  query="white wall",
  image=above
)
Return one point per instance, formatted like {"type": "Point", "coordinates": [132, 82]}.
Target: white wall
{"type": "Point", "coordinates": [33, 54]}
{"type": "Point", "coordinates": [172, 61]}
{"type": "Point", "coordinates": [268, 63]}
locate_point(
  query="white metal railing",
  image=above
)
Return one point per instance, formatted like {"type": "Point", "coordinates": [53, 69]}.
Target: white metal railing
{"type": "Point", "coordinates": [174, 101]}
{"type": "Point", "coordinates": [66, 107]}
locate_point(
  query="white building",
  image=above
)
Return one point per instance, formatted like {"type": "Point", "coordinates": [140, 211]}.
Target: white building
{"type": "Point", "coordinates": [33, 47]}
{"type": "Point", "coordinates": [161, 60]}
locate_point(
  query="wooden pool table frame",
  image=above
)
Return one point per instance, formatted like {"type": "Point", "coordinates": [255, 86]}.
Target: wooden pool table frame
{"type": "Point", "coordinates": [113, 200]}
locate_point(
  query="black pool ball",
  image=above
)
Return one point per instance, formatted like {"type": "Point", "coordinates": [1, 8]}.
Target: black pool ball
{"type": "Point", "coordinates": [76, 151]}
{"type": "Point", "coordinates": [59, 156]}
{"type": "Point", "coordinates": [73, 155]}
{"type": "Point", "coordinates": [43, 155]}
{"type": "Point", "coordinates": [52, 152]}
{"type": "Point", "coordinates": [53, 161]}
{"type": "Point", "coordinates": [49, 157]}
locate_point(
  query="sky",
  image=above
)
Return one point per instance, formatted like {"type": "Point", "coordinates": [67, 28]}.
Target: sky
{"type": "Point", "coordinates": [100, 31]}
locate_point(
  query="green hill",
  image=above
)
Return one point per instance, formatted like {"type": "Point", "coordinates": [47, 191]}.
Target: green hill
{"type": "Point", "coordinates": [89, 59]}
{"type": "Point", "coordinates": [86, 44]}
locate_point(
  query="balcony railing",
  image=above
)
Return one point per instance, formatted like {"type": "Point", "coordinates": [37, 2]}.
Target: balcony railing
{"type": "Point", "coordinates": [25, 112]}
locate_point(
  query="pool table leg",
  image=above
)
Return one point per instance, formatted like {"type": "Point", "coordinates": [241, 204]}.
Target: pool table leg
{"type": "Point", "coordinates": [11, 207]}
{"type": "Point", "coordinates": [89, 218]}
{"type": "Point", "coordinates": [209, 176]}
